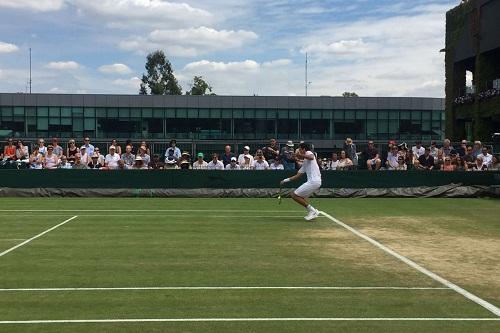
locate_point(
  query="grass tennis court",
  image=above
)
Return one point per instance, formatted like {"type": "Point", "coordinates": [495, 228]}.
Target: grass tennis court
{"type": "Point", "coordinates": [247, 265]}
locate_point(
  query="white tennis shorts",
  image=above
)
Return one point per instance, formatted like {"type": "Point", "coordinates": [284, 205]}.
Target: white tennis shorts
{"type": "Point", "coordinates": [306, 189]}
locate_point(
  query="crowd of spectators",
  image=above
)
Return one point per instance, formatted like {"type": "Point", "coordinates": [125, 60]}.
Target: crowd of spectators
{"type": "Point", "coordinates": [466, 157]}
{"type": "Point", "coordinates": [471, 98]}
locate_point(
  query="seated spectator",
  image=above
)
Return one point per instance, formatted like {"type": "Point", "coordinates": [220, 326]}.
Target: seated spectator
{"type": "Point", "coordinates": [372, 156]}
{"type": "Point", "coordinates": [418, 150]}
{"type": "Point", "coordinates": [9, 151]}
{"type": "Point", "coordinates": [462, 150]}
{"type": "Point", "coordinates": [271, 151]}
{"type": "Point", "coordinates": [36, 159]}
{"type": "Point", "coordinates": [117, 146]}
{"type": "Point", "coordinates": [401, 164]}
{"type": "Point", "coordinates": [477, 149]}
{"type": "Point", "coordinates": [487, 157]}
{"type": "Point", "coordinates": [72, 150]}
{"type": "Point", "coordinates": [94, 163]}
{"type": "Point", "coordinates": [134, 149]}
{"type": "Point", "coordinates": [172, 152]}
{"type": "Point", "coordinates": [84, 157]}
{"type": "Point", "coordinates": [227, 156]}
{"type": "Point", "coordinates": [200, 164]}
{"type": "Point", "coordinates": [128, 158]}
{"type": "Point", "coordinates": [392, 158]}
{"type": "Point", "coordinates": [155, 163]}
{"type": "Point", "coordinates": [185, 161]}
{"type": "Point", "coordinates": [447, 166]}
{"type": "Point", "coordinates": [215, 164]}
{"type": "Point", "coordinates": [64, 163]}
{"type": "Point", "coordinates": [333, 163]}
{"type": "Point", "coordinates": [42, 149]}
{"type": "Point", "coordinates": [144, 155]}
{"type": "Point", "coordinates": [22, 153]}
{"type": "Point", "coordinates": [259, 162]}
{"type": "Point", "coordinates": [439, 160]}
{"type": "Point", "coordinates": [479, 165]}
{"type": "Point", "coordinates": [322, 163]}
{"type": "Point", "coordinates": [468, 158]}
{"type": "Point", "coordinates": [78, 162]}
{"type": "Point", "coordinates": [144, 143]}
{"type": "Point", "coordinates": [276, 165]}
{"type": "Point", "coordinates": [345, 162]}
{"type": "Point", "coordinates": [495, 163]}
{"type": "Point", "coordinates": [101, 159]}
{"type": "Point", "coordinates": [288, 156]}
{"type": "Point", "coordinates": [233, 164]}
{"type": "Point", "coordinates": [426, 161]}
{"type": "Point", "coordinates": [122, 166]}
{"type": "Point", "coordinates": [111, 160]}
{"type": "Point", "coordinates": [447, 147]}
{"type": "Point", "coordinates": [51, 160]}
{"type": "Point", "coordinates": [351, 152]}
{"type": "Point", "coordinates": [247, 165]}
{"type": "Point", "coordinates": [139, 164]}
{"type": "Point", "coordinates": [434, 149]}
{"type": "Point", "coordinates": [460, 164]}
{"type": "Point", "coordinates": [241, 158]}
{"type": "Point", "coordinates": [89, 148]}
{"type": "Point", "coordinates": [58, 150]}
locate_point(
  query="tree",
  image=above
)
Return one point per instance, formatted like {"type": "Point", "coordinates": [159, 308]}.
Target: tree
{"type": "Point", "coordinates": [349, 94]}
{"type": "Point", "coordinates": [160, 78]}
{"type": "Point", "coordinates": [200, 87]}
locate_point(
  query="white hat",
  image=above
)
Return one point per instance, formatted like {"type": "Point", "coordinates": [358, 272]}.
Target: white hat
{"type": "Point", "coordinates": [138, 158]}
{"type": "Point", "coordinates": [112, 147]}
{"type": "Point", "coordinates": [246, 148]}
{"type": "Point", "coordinates": [247, 156]}
{"type": "Point", "coordinates": [289, 143]}
{"type": "Point", "coordinates": [233, 159]}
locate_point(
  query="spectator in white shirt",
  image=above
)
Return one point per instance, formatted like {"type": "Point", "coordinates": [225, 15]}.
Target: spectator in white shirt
{"type": "Point", "coordinates": [247, 165]}
{"type": "Point", "coordinates": [101, 159]}
{"type": "Point", "coordinates": [146, 159]}
{"type": "Point", "coordinates": [88, 147]}
{"type": "Point", "coordinates": [233, 165]}
{"type": "Point", "coordinates": [392, 158]}
{"type": "Point", "coordinates": [276, 165]}
{"type": "Point", "coordinates": [333, 163]}
{"type": "Point", "coordinates": [200, 164]}
{"type": "Point", "coordinates": [172, 152]}
{"type": "Point", "coordinates": [42, 149]}
{"type": "Point", "coordinates": [111, 160]}
{"type": "Point", "coordinates": [241, 158]}
{"type": "Point", "coordinates": [487, 158]}
{"type": "Point", "coordinates": [51, 160]}
{"type": "Point", "coordinates": [64, 163]}
{"type": "Point", "coordinates": [418, 150]}
{"type": "Point", "coordinates": [215, 164]}
{"type": "Point", "coordinates": [139, 164]}
{"type": "Point", "coordinates": [260, 163]}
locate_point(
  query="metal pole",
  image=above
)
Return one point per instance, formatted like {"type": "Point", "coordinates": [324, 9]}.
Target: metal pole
{"type": "Point", "coordinates": [30, 70]}
{"type": "Point", "coordinates": [306, 74]}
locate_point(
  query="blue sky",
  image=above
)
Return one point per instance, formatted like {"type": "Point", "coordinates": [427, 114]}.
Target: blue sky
{"type": "Point", "coordinates": [375, 48]}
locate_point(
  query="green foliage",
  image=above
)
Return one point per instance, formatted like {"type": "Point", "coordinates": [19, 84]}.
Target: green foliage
{"type": "Point", "coordinates": [349, 94]}
{"type": "Point", "coordinates": [160, 78]}
{"type": "Point", "coordinates": [200, 87]}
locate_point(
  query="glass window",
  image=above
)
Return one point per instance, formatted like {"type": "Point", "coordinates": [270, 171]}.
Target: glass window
{"type": "Point", "coordinates": [271, 114]}
{"type": "Point", "coordinates": [383, 126]}
{"type": "Point", "coordinates": [77, 125]}
{"type": "Point", "coordinates": [260, 114]}
{"type": "Point", "coordinates": [146, 112]}
{"type": "Point", "coordinates": [393, 126]}
{"type": "Point", "coordinates": [19, 111]}
{"type": "Point", "coordinates": [305, 114]}
{"type": "Point", "coordinates": [204, 113]}
{"type": "Point", "coordinates": [361, 114]}
{"type": "Point", "coordinates": [371, 129]}
{"type": "Point", "coordinates": [283, 114]}
{"type": "Point", "coordinates": [249, 114]}
{"type": "Point", "coordinates": [327, 114]}
{"type": "Point", "coordinates": [100, 112]}
{"type": "Point", "coordinates": [404, 115]}
{"type": "Point", "coordinates": [41, 111]}
{"type": "Point", "coordinates": [66, 112]}
{"type": "Point", "coordinates": [238, 113]}
{"type": "Point", "coordinates": [426, 115]}
{"type": "Point", "coordinates": [89, 124]}
{"type": "Point", "coordinates": [416, 115]}
{"type": "Point", "coordinates": [54, 121]}
{"type": "Point", "coordinates": [350, 114]}
{"type": "Point", "coordinates": [227, 114]}
{"type": "Point", "coordinates": [31, 111]}
{"type": "Point", "coordinates": [158, 113]}
{"type": "Point", "coordinates": [88, 112]}
{"type": "Point", "coordinates": [214, 113]}
{"type": "Point", "coordinates": [66, 121]}
{"type": "Point", "coordinates": [124, 113]}
{"type": "Point", "coordinates": [293, 114]}
{"type": "Point", "coordinates": [383, 114]}
{"type": "Point", "coordinates": [181, 113]}
{"type": "Point", "coordinates": [288, 129]}
{"type": "Point", "coordinates": [7, 111]}
{"type": "Point", "coordinates": [338, 114]}
{"type": "Point", "coordinates": [54, 112]}
{"type": "Point", "coordinates": [192, 113]}
{"type": "Point", "coordinates": [315, 129]}
{"type": "Point", "coordinates": [394, 115]}
{"type": "Point", "coordinates": [42, 124]}
{"type": "Point", "coordinates": [371, 115]}
{"type": "Point", "coordinates": [112, 113]}
{"type": "Point", "coordinates": [316, 114]}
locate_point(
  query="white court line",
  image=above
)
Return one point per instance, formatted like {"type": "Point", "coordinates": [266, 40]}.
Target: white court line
{"type": "Point", "coordinates": [153, 210]}
{"type": "Point", "coordinates": [219, 288]}
{"type": "Point", "coordinates": [37, 236]}
{"type": "Point", "coordinates": [170, 215]}
{"type": "Point", "coordinates": [155, 320]}
{"type": "Point", "coordinates": [488, 306]}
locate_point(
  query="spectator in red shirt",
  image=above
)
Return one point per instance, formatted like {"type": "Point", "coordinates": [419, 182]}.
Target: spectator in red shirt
{"type": "Point", "coordinates": [9, 151]}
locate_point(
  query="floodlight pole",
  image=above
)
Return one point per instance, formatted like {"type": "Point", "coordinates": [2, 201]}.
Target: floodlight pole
{"type": "Point", "coordinates": [306, 82]}
{"type": "Point", "coordinates": [30, 70]}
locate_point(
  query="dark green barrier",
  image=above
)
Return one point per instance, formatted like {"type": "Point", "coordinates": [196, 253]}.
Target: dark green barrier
{"type": "Point", "coordinates": [190, 179]}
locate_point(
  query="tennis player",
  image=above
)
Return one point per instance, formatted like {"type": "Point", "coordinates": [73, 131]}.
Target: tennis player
{"type": "Point", "coordinates": [310, 167]}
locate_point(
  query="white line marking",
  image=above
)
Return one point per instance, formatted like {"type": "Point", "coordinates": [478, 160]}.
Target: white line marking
{"type": "Point", "coordinates": [12, 239]}
{"type": "Point", "coordinates": [153, 320]}
{"type": "Point", "coordinates": [221, 288]}
{"type": "Point", "coordinates": [151, 210]}
{"type": "Point", "coordinates": [37, 236]}
{"type": "Point", "coordinates": [488, 306]}
{"type": "Point", "coordinates": [172, 215]}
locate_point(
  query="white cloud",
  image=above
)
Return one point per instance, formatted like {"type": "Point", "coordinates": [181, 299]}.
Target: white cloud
{"type": "Point", "coordinates": [35, 5]}
{"type": "Point", "coordinates": [341, 47]}
{"type": "Point", "coordinates": [132, 83]}
{"type": "Point", "coordinates": [62, 65]}
{"type": "Point", "coordinates": [8, 48]}
{"type": "Point", "coordinates": [115, 69]}
{"type": "Point", "coordinates": [129, 14]}
{"type": "Point", "coordinates": [189, 42]}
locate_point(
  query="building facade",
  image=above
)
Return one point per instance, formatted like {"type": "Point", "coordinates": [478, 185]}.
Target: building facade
{"type": "Point", "coordinates": [473, 45]}
{"type": "Point", "coordinates": [322, 120]}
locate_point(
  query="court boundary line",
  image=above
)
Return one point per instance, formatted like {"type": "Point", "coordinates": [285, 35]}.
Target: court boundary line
{"type": "Point", "coordinates": [488, 306]}
{"type": "Point", "coordinates": [37, 236]}
{"type": "Point", "coordinates": [219, 288]}
{"type": "Point", "coordinates": [143, 320]}
{"type": "Point", "coordinates": [150, 210]}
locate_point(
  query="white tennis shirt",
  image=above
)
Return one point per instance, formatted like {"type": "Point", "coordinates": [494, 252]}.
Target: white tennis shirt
{"type": "Point", "coordinates": [311, 168]}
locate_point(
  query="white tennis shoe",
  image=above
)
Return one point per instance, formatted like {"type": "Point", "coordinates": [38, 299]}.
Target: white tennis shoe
{"type": "Point", "coordinates": [312, 215]}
